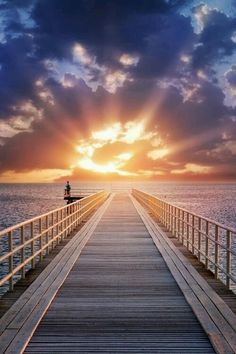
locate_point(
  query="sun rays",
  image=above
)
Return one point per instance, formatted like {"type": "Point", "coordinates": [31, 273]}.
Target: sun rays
{"type": "Point", "coordinates": [116, 148]}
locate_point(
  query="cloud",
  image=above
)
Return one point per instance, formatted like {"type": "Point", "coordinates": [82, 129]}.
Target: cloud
{"type": "Point", "coordinates": [113, 80]}
{"type": "Point", "coordinates": [201, 13]}
{"type": "Point", "coordinates": [22, 118]}
{"type": "Point", "coordinates": [130, 84]}
{"type": "Point", "coordinates": [215, 39]}
{"type": "Point", "coordinates": [81, 55]}
{"type": "Point", "coordinates": [231, 77]}
{"type": "Point", "coordinates": [18, 76]}
{"type": "Point", "coordinates": [158, 153]}
{"type": "Point", "coordinates": [122, 142]}
{"type": "Point", "coordinates": [129, 60]}
{"type": "Point", "coordinates": [193, 169]}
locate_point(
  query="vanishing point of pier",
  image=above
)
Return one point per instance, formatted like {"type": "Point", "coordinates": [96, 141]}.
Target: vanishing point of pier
{"type": "Point", "coordinates": [128, 273]}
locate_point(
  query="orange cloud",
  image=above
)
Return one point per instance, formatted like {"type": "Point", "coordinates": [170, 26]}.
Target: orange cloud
{"type": "Point", "coordinates": [193, 168]}
{"type": "Point", "coordinates": [111, 149]}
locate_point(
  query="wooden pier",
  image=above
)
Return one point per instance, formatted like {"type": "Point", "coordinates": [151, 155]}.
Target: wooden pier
{"type": "Point", "coordinates": [120, 285]}
{"type": "Point", "coordinates": [77, 194]}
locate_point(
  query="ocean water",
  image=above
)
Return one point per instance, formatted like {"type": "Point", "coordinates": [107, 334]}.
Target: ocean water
{"type": "Point", "coordinates": [20, 202]}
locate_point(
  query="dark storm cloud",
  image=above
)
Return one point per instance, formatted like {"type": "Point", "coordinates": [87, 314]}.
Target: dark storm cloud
{"type": "Point", "coordinates": [152, 30]}
{"type": "Point", "coordinates": [215, 40]}
{"type": "Point", "coordinates": [53, 137]}
{"type": "Point", "coordinates": [163, 46]}
{"type": "Point", "coordinates": [194, 116]}
{"type": "Point", "coordinates": [19, 71]}
{"type": "Point", "coordinates": [104, 26]}
{"type": "Point", "coordinates": [231, 76]}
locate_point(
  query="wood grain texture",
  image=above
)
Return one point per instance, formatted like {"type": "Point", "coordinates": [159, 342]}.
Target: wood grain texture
{"type": "Point", "coordinates": [120, 297]}
{"type": "Point", "coordinates": [216, 317]}
{"type": "Point", "coordinates": [24, 316]}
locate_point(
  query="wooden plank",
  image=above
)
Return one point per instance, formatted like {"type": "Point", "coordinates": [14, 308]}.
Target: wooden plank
{"type": "Point", "coordinates": [30, 313]}
{"type": "Point", "coordinates": [37, 285]}
{"type": "Point", "coordinates": [36, 288]}
{"type": "Point", "coordinates": [119, 297]}
{"type": "Point", "coordinates": [217, 315]}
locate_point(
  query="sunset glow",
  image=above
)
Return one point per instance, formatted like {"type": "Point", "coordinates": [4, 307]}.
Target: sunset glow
{"type": "Point", "coordinates": [126, 136]}
{"type": "Point", "coordinates": [135, 90]}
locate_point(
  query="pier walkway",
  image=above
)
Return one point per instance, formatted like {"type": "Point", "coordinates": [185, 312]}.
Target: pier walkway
{"type": "Point", "coordinates": [119, 286]}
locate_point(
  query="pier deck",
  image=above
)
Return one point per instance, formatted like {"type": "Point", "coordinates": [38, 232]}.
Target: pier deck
{"type": "Point", "coordinates": [119, 286]}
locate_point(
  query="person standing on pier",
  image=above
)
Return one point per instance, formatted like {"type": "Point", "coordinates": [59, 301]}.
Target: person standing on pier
{"type": "Point", "coordinates": [67, 189]}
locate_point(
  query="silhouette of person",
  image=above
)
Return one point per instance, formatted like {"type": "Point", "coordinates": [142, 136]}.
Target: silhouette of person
{"type": "Point", "coordinates": [67, 188]}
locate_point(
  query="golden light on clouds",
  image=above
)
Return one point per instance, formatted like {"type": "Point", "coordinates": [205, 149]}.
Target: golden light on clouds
{"type": "Point", "coordinates": [158, 153]}
{"type": "Point", "coordinates": [128, 138]}
{"type": "Point", "coordinates": [115, 79]}
{"type": "Point", "coordinates": [129, 60]}
{"type": "Point", "coordinates": [109, 134]}
{"type": "Point", "coordinates": [44, 175]}
{"type": "Point", "coordinates": [125, 156]}
{"type": "Point", "coordinates": [192, 168]}
{"type": "Point", "coordinates": [81, 55]}
{"type": "Point", "coordinates": [133, 149]}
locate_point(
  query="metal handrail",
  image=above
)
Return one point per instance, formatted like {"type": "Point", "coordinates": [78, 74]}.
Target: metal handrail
{"type": "Point", "coordinates": [29, 241]}
{"type": "Point", "coordinates": [209, 240]}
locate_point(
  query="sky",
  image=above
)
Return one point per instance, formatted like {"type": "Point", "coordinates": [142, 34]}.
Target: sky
{"type": "Point", "coordinates": [117, 90]}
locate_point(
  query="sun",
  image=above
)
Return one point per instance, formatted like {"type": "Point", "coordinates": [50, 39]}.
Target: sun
{"type": "Point", "coordinates": [88, 164]}
{"type": "Point", "coordinates": [116, 149]}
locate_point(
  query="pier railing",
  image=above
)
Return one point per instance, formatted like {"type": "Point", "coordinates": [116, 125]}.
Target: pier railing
{"type": "Point", "coordinates": [83, 191]}
{"type": "Point", "coordinates": [212, 243]}
{"type": "Point", "coordinates": [25, 244]}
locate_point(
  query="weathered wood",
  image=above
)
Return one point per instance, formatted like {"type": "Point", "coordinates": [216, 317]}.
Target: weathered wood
{"type": "Point", "coordinates": [67, 224]}
{"type": "Point", "coordinates": [28, 310]}
{"type": "Point", "coordinates": [119, 297]}
{"type": "Point", "coordinates": [219, 320]}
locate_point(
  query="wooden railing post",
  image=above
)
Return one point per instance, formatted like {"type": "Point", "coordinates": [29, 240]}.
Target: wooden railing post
{"type": "Point", "coordinates": [167, 216]}
{"type": "Point", "coordinates": [68, 220]}
{"type": "Point", "coordinates": [161, 210]}
{"type": "Point", "coordinates": [41, 234]}
{"type": "Point", "coordinates": [61, 224]}
{"type": "Point", "coordinates": [174, 228]}
{"type": "Point", "coordinates": [165, 219]}
{"type": "Point", "coordinates": [32, 244]}
{"type": "Point", "coordinates": [77, 214]}
{"type": "Point", "coordinates": [73, 218]}
{"type": "Point", "coordinates": [228, 258]}
{"type": "Point", "coordinates": [193, 234]}
{"type": "Point", "coordinates": [80, 212]}
{"type": "Point", "coordinates": [22, 241]}
{"type": "Point", "coordinates": [207, 245]}
{"type": "Point", "coordinates": [216, 250]}
{"type": "Point", "coordinates": [40, 240]}
{"type": "Point", "coordinates": [172, 220]}
{"type": "Point", "coordinates": [10, 260]}
{"type": "Point", "coordinates": [188, 231]}
{"type": "Point", "coordinates": [47, 237]}
{"type": "Point", "coordinates": [192, 229]}
{"type": "Point", "coordinates": [57, 228]}
{"type": "Point", "coordinates": [178, 224]}
{"type": "Point", "coordinates": [183, 228]}
{"type": "Point", "coordinates": [52, 231]}
{"type": "Point", "coordinates": [199, 238]}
